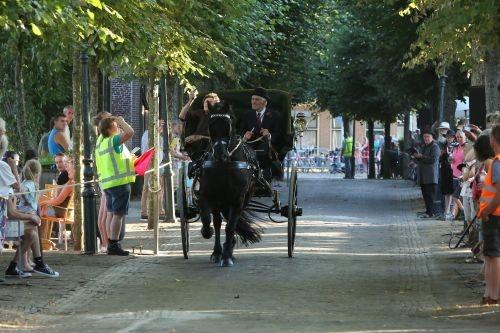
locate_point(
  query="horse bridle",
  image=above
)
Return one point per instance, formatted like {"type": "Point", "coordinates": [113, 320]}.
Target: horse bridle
{"type": "Point", "coordinates": [234, 164]}
{"type": "Point", "coordinates": [225, 117]}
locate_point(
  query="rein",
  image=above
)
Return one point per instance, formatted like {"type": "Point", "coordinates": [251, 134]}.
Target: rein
{"type": "Point", "coordinates": [256, 140]}
{"type": "Point", "coordinates": [234, 149]}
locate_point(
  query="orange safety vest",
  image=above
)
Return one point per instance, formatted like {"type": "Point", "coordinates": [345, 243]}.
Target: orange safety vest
{"type": "Point", "coordinates": [488, 190]}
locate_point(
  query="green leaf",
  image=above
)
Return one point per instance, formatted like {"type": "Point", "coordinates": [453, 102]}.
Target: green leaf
{"type": "Point", "coordinates": [95, 3]}
{"type": "Point", "coordinates": [36, 30]}
{"type": "Point", "coordinates": [91, 15]}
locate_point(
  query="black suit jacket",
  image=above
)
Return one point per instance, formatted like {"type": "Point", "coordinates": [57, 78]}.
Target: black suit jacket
{"type": "Point", "coordinates": [271, 121]}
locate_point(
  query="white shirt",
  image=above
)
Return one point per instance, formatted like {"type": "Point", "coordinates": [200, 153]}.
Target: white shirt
{"type": "Point", "coordinates": [67, 134]}
{"type": "Point", "coordinates": [261, 114]}
{"type": "Point", "coordinates": [145, 146]}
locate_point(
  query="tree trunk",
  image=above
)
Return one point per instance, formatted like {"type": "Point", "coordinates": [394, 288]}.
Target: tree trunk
{"type": "Point", "coordinates": [180, 96]}
{"type": "Point", "coordinates": [353, 149]}
{"type": "Point", "coordinates": [450, 95]}
{"type": "Point", "coordinates": [492, 81]}
{"type": "Point", "coordinates": [405, 157]}
{"type": "Point", "coordinates": [371, 150]}
{"type": "Point", "coordinates": [152, 142]}
{"type": "Point", "coordinates": [386, 159]}
{"type": "Point", "coordinates": [347, 128]}
{"type": "Point", "coordinates": [175, 97]}
{"type": "Point", "coordinates": [168, 174]}
{"type": "Point", "coordinates": [477, 76]}
{"type": "Point", "coordinates": [77, 150]}
{"type": "Point", "coordinates": [20, 100]}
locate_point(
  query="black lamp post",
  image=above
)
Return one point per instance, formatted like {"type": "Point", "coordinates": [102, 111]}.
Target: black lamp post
{"type": "Point", "coordinates": [89, 192]}
{"type": "Point", "coordinates": [442, 85]}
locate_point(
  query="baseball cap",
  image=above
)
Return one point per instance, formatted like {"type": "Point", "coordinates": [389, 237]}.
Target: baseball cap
{"type": "Point", "coordinates": [444, 125]}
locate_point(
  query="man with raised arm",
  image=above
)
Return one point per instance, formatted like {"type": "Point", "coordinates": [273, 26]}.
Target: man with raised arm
{"type": "Point", "coordinates": [196, 125]}
{"type": "Point", "coordinates": [116, 171]}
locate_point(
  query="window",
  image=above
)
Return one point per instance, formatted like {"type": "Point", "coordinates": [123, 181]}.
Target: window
{"type": "Point", "coordinates": [309, 138]}
{"type": "Point", "coordinates": [378, 128]}
{"type": "Point", "coordinates": [312, 123]}
{"type": "Point", "coordinates": [336, 137]}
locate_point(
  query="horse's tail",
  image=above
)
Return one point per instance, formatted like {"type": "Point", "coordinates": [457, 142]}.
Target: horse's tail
{"type": "Point", "coordinates": [247, 230]}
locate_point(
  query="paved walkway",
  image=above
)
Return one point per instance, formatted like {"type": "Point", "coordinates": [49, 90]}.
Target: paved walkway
{"type": "Point", "coordinates": [363, 264]}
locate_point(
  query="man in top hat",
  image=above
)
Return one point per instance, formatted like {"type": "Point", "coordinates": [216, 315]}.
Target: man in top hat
{"type": "Point", "coordinates": [261, 122]}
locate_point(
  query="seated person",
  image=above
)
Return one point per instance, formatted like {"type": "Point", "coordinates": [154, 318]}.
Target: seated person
{"type": "Point", "coordinates": [55, 207]}
{"type": "Point", "coordinates": [12, 159]}
{"type": "Point", "coordinates": [30, 237]}
{"type": "Point", "coordinates": [60, 162]}
{"type": "Point", "coordinates": [196, 127]}
{"type": "Point", "coordinates": [262, 122]}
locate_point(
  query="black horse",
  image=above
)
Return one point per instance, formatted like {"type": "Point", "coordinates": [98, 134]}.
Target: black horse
{"type": "Point", "coordinates": [227, 180]}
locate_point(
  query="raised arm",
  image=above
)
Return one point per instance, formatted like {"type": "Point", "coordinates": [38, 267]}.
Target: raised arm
{"type": "Point", "coordinates": [185, 108]}
{"type": "Point", "coordinates": [128, 131]}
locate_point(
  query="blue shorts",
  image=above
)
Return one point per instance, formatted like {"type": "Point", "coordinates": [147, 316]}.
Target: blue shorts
{"type": "Point", "coordinates": [117, 199]}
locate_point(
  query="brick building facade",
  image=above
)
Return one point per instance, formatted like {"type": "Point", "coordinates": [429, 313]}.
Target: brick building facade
{"type": "Point", "coordinates": [125, 101]}
{"type": "Point", "coordinates": [325, 132]}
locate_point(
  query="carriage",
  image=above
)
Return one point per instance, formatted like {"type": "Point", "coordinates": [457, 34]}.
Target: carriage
{"type": "Point", "coordinates": [265, 199]}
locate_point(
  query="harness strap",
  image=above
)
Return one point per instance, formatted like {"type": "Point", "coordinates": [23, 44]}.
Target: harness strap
{"type": "Point", "coordinates": [234, 149]}
{"type": "Point", "coordinates": [230, 165]}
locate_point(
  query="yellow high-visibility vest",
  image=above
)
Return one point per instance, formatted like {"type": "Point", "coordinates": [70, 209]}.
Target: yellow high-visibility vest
{"type": "Point", "coordinates": [114, 169]}
{"type": "Point", "coordinates": [348, 146]}
{"type": "Point", "coordinates": [488, 190]}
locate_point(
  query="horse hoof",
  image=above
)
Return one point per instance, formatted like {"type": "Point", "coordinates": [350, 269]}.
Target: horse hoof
{"type": "Point", "coordinates": [215, 259]}
{"type": "Point", "coordinates": [226, 263]}
{"type": "Point", "coordinates": [207, 233]}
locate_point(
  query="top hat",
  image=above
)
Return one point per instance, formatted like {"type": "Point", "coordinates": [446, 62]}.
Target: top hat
{"type": "Point", "coordinates": [261, 92]}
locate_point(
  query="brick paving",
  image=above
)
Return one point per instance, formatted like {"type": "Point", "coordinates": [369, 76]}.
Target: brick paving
{"type": "Point", "coordinates": [363, 262]}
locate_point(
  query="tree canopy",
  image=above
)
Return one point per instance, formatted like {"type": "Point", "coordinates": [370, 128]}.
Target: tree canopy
{"type": "Point", "coordinates": [368, 59]}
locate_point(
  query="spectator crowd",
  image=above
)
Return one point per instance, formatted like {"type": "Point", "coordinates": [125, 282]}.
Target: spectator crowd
{"type": "Point", "coordinates": [457, 169]}
{"type": "Point", "coordinates": [459, 175]}
{"type": "Point", "coordinates": [37, 209]}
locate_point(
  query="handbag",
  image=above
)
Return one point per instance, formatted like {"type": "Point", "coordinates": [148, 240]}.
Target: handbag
{"type": "Point", "coordinates": [476, 190]}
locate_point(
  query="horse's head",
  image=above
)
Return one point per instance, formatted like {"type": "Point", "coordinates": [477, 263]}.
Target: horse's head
{"type": "Point", "coordinates": [220, 130]}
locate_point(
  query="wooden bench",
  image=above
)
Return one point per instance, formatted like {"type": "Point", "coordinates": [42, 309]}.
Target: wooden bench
{"type": "Point", "coordinates": [48, 221]}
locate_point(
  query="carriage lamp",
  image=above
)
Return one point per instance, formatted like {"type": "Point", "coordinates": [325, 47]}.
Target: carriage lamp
{"type": "Point", "coordinates": [300, 122]}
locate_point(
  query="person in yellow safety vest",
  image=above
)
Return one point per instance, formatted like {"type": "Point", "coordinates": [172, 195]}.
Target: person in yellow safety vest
{"type": "Point", "coordinates": [489, 212]}
{"type": "Point", "coordinates": [347, 154]}
{"type": "Point", "coordinates": [115, 168]}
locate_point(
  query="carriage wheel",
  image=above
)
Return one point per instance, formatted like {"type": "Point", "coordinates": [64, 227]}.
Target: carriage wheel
{"type": "Point", "coordinates": [292, 211]}
{"type": "Point", "coordinates": [183, 207]}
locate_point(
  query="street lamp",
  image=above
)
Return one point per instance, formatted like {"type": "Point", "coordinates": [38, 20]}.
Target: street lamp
{"type": "Point", "coordinates": [300, 123]}
{"type": "Point", "coordinates": [89, 192]}
{"type": "Point", "coordinates": [442, 85]}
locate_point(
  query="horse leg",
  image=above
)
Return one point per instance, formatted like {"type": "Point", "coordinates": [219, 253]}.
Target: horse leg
{"type": "Point", "coordinates": [206, 230]}
{"type": "Point", "coordinates": [216, 255]}
{"type": "Point", "coordinates": [227, 251]}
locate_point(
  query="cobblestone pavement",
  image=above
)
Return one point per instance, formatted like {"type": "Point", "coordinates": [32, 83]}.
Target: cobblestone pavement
{"type": "Point", "coordinates": [363, 263]}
